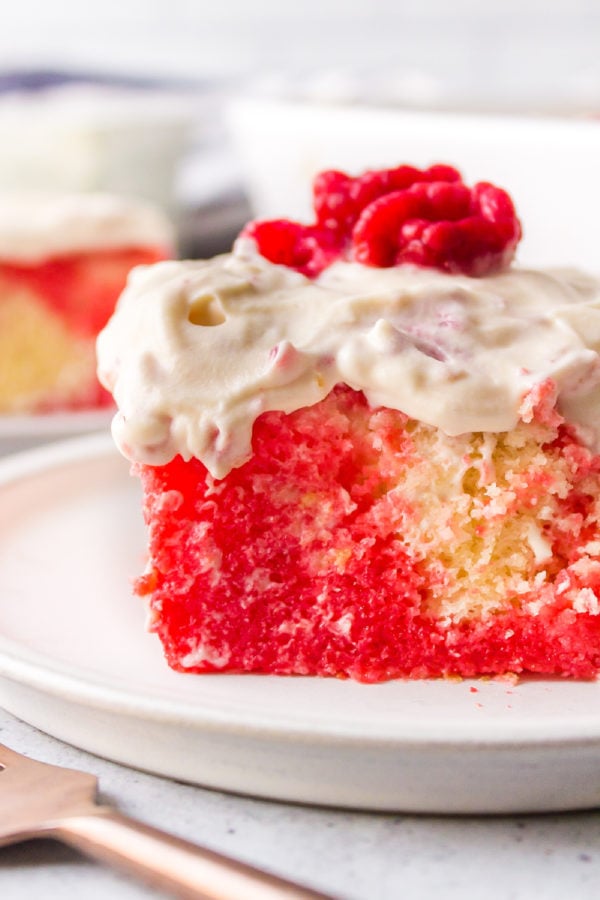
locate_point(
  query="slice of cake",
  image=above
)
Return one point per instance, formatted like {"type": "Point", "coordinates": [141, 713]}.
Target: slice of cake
{"type": "Point", "coordinates": [64, 260]}
{"type": "Point", "coordinates": [369, 445]}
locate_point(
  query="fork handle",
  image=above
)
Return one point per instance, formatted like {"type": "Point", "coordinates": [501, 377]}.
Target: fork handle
{"type": "Point", "coordinates": [164, 861]}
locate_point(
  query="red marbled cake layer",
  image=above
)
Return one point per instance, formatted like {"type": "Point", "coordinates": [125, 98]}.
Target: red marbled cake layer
{"type": "Point", "coordinates": [358, 543]}
{"type": "Point", "coordinates": [82, 288]}
{"type": "Point", "coordinates": [50, 315]}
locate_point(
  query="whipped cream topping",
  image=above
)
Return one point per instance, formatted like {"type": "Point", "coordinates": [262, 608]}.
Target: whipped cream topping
{"type": "Point", "coordinates": [196, 351]}
{"type": "Point", "coordinates": [36, 226]}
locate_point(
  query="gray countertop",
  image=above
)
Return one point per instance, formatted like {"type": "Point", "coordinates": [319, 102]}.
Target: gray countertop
{"type": "Point", "coordinates": [348, 854]}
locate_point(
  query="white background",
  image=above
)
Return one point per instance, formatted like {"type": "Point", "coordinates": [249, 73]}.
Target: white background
{"type": "Point", "coordinates": [531, 52]}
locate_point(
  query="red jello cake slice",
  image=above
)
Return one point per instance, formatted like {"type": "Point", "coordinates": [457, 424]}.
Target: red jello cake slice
{"type": "Point", "coordinates": [368, 445]}
{"type": "Point", "coordinates": [64, 260]}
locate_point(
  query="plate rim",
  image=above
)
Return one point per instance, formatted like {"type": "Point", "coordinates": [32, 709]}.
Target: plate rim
{"type": "Point", "coordinates": [64, 423]}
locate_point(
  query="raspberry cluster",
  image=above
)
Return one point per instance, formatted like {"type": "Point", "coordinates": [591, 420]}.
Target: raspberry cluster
{"type": "Point", "coordinates": [387, 217]}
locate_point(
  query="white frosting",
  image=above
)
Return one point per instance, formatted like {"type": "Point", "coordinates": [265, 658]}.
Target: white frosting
{"type": "Point", "coordinates": [196, 351]}
{"type": "Point", "coordinates": [37, 226]}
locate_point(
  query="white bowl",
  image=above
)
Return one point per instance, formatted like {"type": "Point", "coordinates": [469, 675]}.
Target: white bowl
{"type": "Point", "coordinates": [549, 165]}
{"type": "Point", "coordinates": [96, 138]}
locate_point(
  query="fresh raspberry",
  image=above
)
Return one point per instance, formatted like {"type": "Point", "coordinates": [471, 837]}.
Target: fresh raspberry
{"type": "Point", "coordinates": [306, 248]}
{"type": "Point", "coordinates": [334, 207]}
{"type": "Point", "coordinates": [443, 225]}
{"type": "Point", "coordinates": [392, 216]}
{"type": "Point", "coordinates": [339, 199]}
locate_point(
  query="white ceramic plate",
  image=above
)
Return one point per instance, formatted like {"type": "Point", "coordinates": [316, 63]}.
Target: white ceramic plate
{"type": "Point", "coordinates": [20, 432]}
{"type": "Point", "coordinates": [75, 661]}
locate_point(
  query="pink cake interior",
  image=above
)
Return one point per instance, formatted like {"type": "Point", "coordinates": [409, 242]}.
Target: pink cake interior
{"type": "Point", "coordinates": [359, 543]}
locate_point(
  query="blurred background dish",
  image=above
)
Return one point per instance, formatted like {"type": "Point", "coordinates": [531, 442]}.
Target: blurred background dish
{"type": "Point", "coordinates": [77, 133]}
{"type": "Point", "coordinates": [159, 140]}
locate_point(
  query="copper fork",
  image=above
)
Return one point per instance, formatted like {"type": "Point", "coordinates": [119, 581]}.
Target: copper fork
{"type": "Point", "coordinates": [42, 800]}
